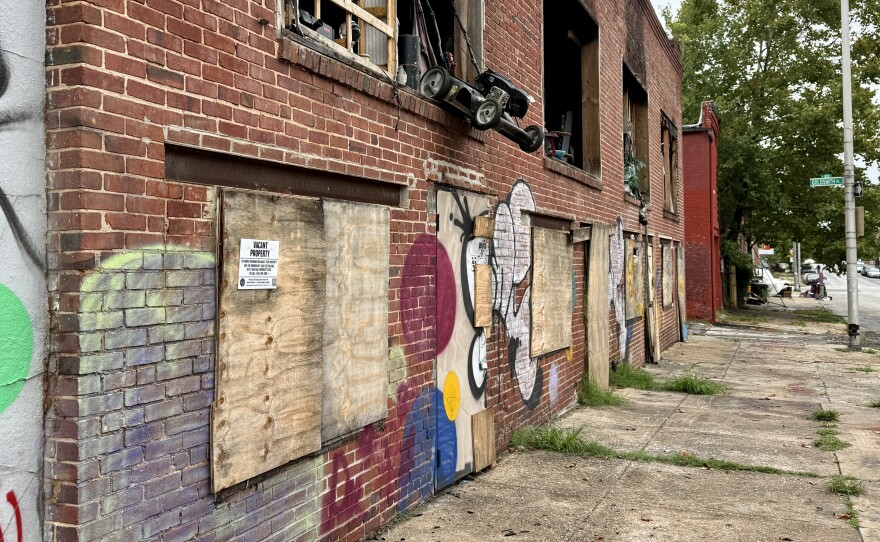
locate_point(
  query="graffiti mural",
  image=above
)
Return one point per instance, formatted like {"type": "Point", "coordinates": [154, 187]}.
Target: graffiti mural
{"type": "Point", "coordinates": [461, 347]}
{"type": "Point", "coordinates": [511, 263]}
{"type": "Point", "coordinates": [616, 286]}
{"type": "Point", "coordinates": [23, 292]}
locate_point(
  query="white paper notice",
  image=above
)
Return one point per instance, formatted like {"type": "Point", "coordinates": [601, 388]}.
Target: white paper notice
{"type": "Point", "coordinates": [258, 265]}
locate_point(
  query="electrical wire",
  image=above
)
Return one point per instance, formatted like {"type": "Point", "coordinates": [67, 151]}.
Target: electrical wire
{"type": "Point", "coordinates": [473, 54]}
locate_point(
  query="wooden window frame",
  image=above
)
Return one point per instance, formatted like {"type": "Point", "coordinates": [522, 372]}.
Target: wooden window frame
{"type": "Point", "coordinates": [635, 118]}
{"type": "Point", "coordinates": [369, 16]}
{"type": "Point", "coordinates": [669, 143]}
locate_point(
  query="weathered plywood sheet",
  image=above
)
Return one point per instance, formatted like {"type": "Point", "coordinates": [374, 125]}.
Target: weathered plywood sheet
{"type": "Point", "coordinates": [551, 291]}
{"type": "Point", "coordinates": [651, 306]}
{"type": "Point", "coordinates": [635, 285]}
{"type": "Point", "coordinates": [356, 316]}
{"type": "Point", "coordinates": [267, 408]}
{"type": "Point", "coordinates": [484, 439]}
{"type": "Point", "coordinates": [682, 307]}
{"type": "Point", "coordinates": [598, 333]}
{"type": "Point", "coordinates": [482, 295]}
{"type": "Point", "coordinates": [668, 276]}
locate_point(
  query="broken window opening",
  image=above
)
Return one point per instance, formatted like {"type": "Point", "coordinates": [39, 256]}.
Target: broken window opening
{"type": "Point", "coordinates": [669, 146]}
{"type": "Point", "coordinates": [362, 30]}
{"type": "Point", "coordinates": [571, 85]}
{"type": "Point", "coordinates": [442, 33]}
{"type": "Point", "coordinates": [636, 181]}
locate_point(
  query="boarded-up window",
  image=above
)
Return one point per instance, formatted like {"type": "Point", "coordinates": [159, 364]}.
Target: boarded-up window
{"type": "Point", "coordinates": [267, 408]}
{"type": "Point", "coordinates": [305, 361]}
{"type": "Point", "coordinates": [551, 291]}
{"type": "Point", "coordinates": [356, 323]}
{"type": "Point", "coordinates": [668, 275]}
{"type": "Point", "coordinates": [635, 278]}
{"type": "Point", "coordinates": [669, 146]}
{"type": "Point", "coordinates": [636, 180]}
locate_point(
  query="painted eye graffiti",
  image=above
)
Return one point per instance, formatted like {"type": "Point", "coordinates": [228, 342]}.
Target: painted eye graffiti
{"type": "Point", "coordinates": [4, 75]}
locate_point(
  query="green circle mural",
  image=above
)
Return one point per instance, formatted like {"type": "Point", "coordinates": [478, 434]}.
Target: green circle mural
{"type": "Point", "coordinates": [16, 346]}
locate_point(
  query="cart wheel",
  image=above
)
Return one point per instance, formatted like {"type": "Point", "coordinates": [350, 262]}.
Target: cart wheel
{"type": "Point", "coordinates": [537, 138]}
{"type": "Point", "coordinates": [435, 83]}
{"type": "Point", "coordinates": [487, 115]}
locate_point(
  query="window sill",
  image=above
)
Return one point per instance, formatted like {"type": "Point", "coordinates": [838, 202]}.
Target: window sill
{"type": "Point", "coordinates": [573, 173]}
{"type": "Point", "coordinates": [671, 215]}
{"type": "Point", "coordinates": [629, 198]}
{"type": "Point", "coordinates": [314, 56]}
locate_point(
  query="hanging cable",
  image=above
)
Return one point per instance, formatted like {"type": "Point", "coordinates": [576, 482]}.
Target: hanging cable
{"type": "Point", "coordinates": [471, 52]}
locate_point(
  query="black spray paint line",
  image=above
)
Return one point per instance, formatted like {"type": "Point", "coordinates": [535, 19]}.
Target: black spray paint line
{"type": "Point", "coordinates": [18, 230]}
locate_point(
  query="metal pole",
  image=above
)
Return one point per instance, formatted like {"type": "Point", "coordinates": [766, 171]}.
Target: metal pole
{"type": "Point", "coordinates": [852, 278]}
{"type": "Point", "coordinates": [796, 266]}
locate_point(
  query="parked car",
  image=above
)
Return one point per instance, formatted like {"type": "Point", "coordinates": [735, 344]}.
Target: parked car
{"type": "Point", "coordinates": [873, 273]}
{"type": "Point", "coordinates": [811, 278]}
{"type": "Point", "coordinates": [860, 266]}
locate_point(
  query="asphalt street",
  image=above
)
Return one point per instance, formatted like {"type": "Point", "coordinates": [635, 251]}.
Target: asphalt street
{"type": "Point", "coordinates": [869, 300]}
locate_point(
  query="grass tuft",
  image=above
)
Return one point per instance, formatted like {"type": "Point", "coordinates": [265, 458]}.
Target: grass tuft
{"type": "Point", "coordinates": [846, 485]}
{"type": "Point", "coordinates": [820, 315]}
{"type": "Point", "coordinates": [828, 441]}
{"type": "Point", "coordinates": [627, 376]}
{"type": "Point", "coordinates": [864, 369]}
{"type": "Point", "coordinates": [825, 415]}
{"type": "Point", "coordinates": [852, 513]}
{"type": "Point", "coordinates": [693, 385]}
{"type": "Point", "coordinates": [874, 404]}
{"type": "Point", "coordinates": [591, 394]}
{"type": "Point", "coordinates": [568, 441]}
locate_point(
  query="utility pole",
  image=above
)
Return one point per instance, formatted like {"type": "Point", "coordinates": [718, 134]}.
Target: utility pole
{"type": "Point", "coordinates": [796, 265]}
{"type": "Point", "coordinates": [852, 279]}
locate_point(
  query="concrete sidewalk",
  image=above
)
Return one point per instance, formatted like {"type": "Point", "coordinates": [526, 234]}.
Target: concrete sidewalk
{"type": "Point", "coordinates": [778, 367]}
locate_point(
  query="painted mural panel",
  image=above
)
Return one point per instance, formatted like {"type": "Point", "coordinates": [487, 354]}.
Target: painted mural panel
{"type": "Point", "coordinates": [511, 263]}
{"type": "Point", "coordinates": [617, 285]}
{"type": "Point", "coordinates": [23, 316]}
{"type": "Point", "coordinates": [635, 287]}
{"type": "Point", "coordinates": [461, 347]}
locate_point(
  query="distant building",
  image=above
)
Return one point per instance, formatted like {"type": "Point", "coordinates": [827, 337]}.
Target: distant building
{"type": "Point", "coordinates": [702, 231]}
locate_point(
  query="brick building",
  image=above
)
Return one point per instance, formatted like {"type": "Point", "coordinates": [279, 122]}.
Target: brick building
{"type": "Point", "coordinates": [702, 234]}
{"type": "Point", "coordinates": [291, 298]}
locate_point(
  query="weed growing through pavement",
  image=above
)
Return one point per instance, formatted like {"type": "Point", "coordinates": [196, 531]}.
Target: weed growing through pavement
{"type": "Point", "coordinates": [853, 514]}
{"type": "Point", "coordinates": [627, 376]}
{"type": "Point", "coordinates": [865, 369]}
{"type": "Point", "coordinates": [846, 485]}
{"type": "Point", "coordinates": [569, 441]}
{"type": "Point", "coordinates": [825, 415]}
{"type": "Point", "coordinates": [693, 385]}
{"type": "Point", "coordinates": [591, 394]}
{"type": "Point", "coordinates": [874, 404]}
{"type": "Point", "coordinates": [828, 441]}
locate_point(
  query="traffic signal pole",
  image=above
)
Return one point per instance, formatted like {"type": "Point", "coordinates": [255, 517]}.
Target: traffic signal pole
{"type": "Point", "coordinates": [852, 278]}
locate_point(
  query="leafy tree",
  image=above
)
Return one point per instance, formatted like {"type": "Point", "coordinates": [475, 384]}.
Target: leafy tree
{"type": "Point", "coordinates": [772, 67]}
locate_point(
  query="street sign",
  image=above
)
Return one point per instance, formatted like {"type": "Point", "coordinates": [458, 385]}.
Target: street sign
{"type": "Point", "coordinates": [826, 180]}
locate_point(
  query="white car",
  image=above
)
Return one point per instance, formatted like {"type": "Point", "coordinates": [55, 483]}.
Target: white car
{"type": "Point", "coordinates": [872, 273]}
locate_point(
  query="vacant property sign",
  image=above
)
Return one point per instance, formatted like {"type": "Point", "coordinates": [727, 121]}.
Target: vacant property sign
{"type": "Point", "coordinates": [258, 265]}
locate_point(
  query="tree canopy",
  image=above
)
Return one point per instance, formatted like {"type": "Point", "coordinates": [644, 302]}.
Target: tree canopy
{"type": "Point", "coordinates": [773, 69]}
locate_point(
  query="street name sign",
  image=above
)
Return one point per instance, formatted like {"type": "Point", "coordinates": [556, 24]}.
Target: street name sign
{"type": "Point", "coordinates": [826, 180]}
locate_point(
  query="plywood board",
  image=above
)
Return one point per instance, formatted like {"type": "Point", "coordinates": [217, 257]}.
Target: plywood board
{"type": "Point", "coordinates": [579, 235]}
{"type": "Point", "coordinates": [651, 319]}
{"type": "Point", "coordinates": [482, 295]}
{"type": "Point", "coordinates": [631, 278]}
{"type": "Point", "coordinates": [668, 275]}
{"type": "Point", "coordinates": [598, 333]}
{"type": "Point", "coordinates": [267, 408]}
{"type": "Point", "coordinates": [551, 291]}
{"type": "Point", "coordinates": [355, 317]}
{"type": "Point", "coordinates": [682, 308]}
{"type": "Point", "coordinates": [483, 423]}
{"type": "Point", "coordinates": [484, 226]}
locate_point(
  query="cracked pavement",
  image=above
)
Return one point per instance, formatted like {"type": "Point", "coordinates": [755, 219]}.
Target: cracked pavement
{"type": "Point", "coordinates": [776, 370]}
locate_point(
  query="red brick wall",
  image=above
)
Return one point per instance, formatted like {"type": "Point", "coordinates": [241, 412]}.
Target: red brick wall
{"type": "Point", "coordinates": [702, 244]}
{"type": "Point", "coordinates": [131, 252]}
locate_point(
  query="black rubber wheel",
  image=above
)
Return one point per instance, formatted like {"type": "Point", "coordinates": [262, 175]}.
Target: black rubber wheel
{"type": "Point", "coordinates": [435, 83]}
{"type": "Point", "coordinates": [537, 140]}
{"type": "Point", "coordinates": [487, 115]}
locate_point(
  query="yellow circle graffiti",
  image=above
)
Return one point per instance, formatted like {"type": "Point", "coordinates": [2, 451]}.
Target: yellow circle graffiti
{"type": "Point", "coordinates": [451, 395]}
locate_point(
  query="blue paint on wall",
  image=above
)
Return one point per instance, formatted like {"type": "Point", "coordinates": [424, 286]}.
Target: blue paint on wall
{"type": "Point", "coordinates": [446, 443]}
{"type": "Point", "coordinates": [416, 478]}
